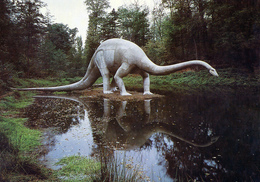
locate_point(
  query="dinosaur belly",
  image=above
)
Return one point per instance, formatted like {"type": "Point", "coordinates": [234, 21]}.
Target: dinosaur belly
{"type": "Point", "coordinates": [111, 63]}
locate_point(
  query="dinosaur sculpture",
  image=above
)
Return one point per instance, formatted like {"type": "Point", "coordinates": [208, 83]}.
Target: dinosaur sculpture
{"type": "Point", "coordinates": [120, 57]}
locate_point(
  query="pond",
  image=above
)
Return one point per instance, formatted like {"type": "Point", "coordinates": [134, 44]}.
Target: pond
{"type": "Point", "coordinates": [181, 136]}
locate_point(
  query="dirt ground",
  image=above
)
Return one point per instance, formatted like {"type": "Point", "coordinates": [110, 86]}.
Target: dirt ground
{"type": "Point", "coordinates": [98, 92]}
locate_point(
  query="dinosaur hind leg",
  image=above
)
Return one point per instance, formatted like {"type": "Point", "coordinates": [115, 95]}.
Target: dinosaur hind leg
{"type": "Point", "coordinates": [122, 71]}
{"type": "Point", "coordinates": [146, 83]}
{"type": "Point", "coordinates": [101, 64]}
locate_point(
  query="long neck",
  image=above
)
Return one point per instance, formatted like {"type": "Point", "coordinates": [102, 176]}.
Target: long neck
{"type": "Point", "coordinates": [165, 70]}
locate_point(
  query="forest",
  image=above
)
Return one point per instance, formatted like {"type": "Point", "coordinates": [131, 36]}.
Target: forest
{"type": "Point", "coordinates": [225, 33]}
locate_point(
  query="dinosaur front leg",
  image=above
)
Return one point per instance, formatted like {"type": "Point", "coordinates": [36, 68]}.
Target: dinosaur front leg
{"type": "Point", "coordinates": [146, 83]}
{"type": "Point", "coordinates": [122, 71]}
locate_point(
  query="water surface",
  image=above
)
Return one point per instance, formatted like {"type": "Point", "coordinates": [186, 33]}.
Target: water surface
{"type": "Point", "coordinates": [205, 135]}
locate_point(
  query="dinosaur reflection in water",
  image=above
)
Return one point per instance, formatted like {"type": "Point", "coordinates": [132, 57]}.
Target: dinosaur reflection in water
{"type": "Point", "coordinates": [123, 132]}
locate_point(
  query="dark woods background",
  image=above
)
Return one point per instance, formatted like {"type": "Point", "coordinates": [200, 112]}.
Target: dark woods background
{"type": "Point", "coordinates": [226, 33]}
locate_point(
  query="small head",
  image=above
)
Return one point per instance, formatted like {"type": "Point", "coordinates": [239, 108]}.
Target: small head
{"type": "Point", "coordinates": [213, 72]}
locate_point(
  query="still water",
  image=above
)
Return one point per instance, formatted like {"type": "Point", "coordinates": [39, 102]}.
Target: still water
{"type": "Point", "coordinates": [181, 136]}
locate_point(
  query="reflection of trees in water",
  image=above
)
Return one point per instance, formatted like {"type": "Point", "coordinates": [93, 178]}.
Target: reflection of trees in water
{"type": "Point", "coordinates": [236, 156]}
{"type": "Point", "coordinates": [62, 114]}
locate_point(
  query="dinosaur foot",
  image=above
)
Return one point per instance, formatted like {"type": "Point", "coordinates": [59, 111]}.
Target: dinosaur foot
{"type": "Point", "coordinates": [125, 94]}
{"type": "Point", "coordinates": [148, 93]}
{"type": "Point", "coordinates": [108, 92]}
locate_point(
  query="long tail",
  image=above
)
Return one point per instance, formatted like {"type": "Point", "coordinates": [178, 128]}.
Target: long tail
{"type": "Point", "coordinates": [88, 80]}
{"type": "Point", "coordinates": [154, 69]}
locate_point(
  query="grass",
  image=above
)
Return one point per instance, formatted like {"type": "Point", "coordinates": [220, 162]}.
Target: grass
{"type": "Point", "coordinates": [194, 81]}
{"type": "Point", "coordinates": [124, 171]}
{"type": "Point", "coordinates": [18, 159]}
{"type": "Point", "coordinates": [43, 82]}
{"type": "Point", "coordinates": [185, 81]}
{"type": "Point", "coordinates": [20, 137]}
{"type": "Point", "coordinates": [77, 168]}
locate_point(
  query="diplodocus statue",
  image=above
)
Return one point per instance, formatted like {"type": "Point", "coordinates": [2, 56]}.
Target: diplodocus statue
{"type": "Point", "coordinates": [119, 57]}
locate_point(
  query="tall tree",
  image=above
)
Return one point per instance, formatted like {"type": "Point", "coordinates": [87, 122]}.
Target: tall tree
{"type": "Point", "coordinates": [5, 29]}
{"type": "Point", "coordinates": [134, 24]}
{"type": "Point", "coordinates": [62, 36]}
{"type": "Point", "coordinates": [158, 16]}
{"type": "Point", "coordinates": [77, 66]}
{"type": "Point", "coordinates": [31, 26]}
{"type": "Point", "coordinates": [234, 30]}
{"type": "Point", "coordinates": [57, 50]}
{"type": "Point", "coordinates": [109, 26]}
{"type": "Point", "coordinates": [224, 31]}
{"type": "Point", "coordinates": [177, 29]}
{"type": "Point", "coordinates": [97, 13]}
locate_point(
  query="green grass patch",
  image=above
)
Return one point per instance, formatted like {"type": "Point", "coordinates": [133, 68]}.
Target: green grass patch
{"type": "Point", "coordinates": [20, 137]}
{"type": "Point", "coordinates": [177, 81]}
{"type": "Point", "coordinates": [12, 103]}
{"type": "Point", "coordinates": [17, 156]}
{"type": "Point", "coordinates": [77, 168]}
{"type": "Point", "coordinates": [194, 81]}
{"type": "Point", "coordinates": [39, 82]}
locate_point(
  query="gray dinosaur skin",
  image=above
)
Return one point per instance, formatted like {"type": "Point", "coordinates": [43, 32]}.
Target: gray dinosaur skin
{"type": "Point", "coordinates": [120, 57]}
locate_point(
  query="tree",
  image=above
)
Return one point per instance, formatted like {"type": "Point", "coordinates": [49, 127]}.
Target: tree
{"type": "Point", "coordinates": [109, 26]}
{"type": "Point", "coordinates": [78, 66]}
{"type": "Point", "coordinates": [235, 40]}
{"type": "Point", "coordinates": [134, 24]}
{"type": "Point", "coordinates": [57, 50]}
{"type": "Point", "coordinates": [157, 22]}
{"type": "Point", "coordinates": [6, 10]}
{"type": "Point", "coordinates": [177, 35]}
{"type": "Point", "coordinates": [62, 36]}
{"type": "Point", "coordinates": [31, 27]}
{"type": "Point", "coordinates": [97, 12]}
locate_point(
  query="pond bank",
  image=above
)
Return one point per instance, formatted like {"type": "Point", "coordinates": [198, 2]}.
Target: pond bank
{"type": "Point", "coordinates": [18, 143]}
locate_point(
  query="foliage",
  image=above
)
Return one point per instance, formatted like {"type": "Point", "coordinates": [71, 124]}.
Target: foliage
{"type": "Point", "coordinates": [110, 26]}
{"type": "Point", "coordinates": [61, 36]}
{"type": "Point", "coordinates": [226, 32]}
{"type": "Point", "coordinates": [156, 51]}
{"type": "Point", "coordinates": [21, 31]}
{"type": "Point", "coordinates": [97, 12]}
{"type": "Point", "coordinates": [133, 24]}
{"type": "Point", "coordinates": [61, 51]}
{"type": "Point", "coordinates": [30, 42]}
